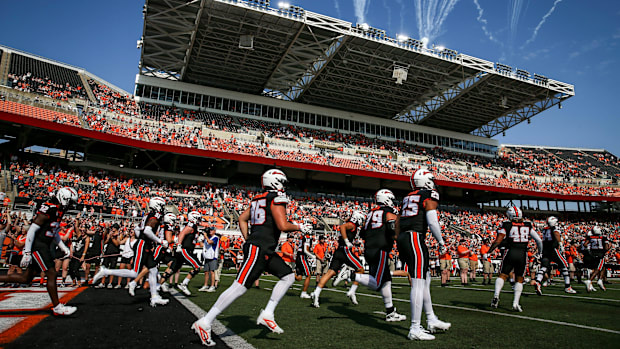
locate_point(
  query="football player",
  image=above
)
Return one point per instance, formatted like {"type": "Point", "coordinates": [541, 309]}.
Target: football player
{"type": "Point", "coordinates": [378, 233]}
{"type": "Point", "coordinates": [302, 264]}
{"type": "Point", "coordinates": [418, 213]}
{"type": "Point", "coordinates": [516, 234]}
{"type": "Point", "coordinates": [147, 243]}
{"type": "Point", "coordinates": [42, 233]}
{"type": "Point", "coordinates": [343, 256]}
{"type": "Point", "coordinates": [553, 251]}
{"type": "Point", "coordinates": [184, 252]}
{"type": "Point", "coordinates": [596, 245]}
{"type": "Point", "coordinates": [267, 216]}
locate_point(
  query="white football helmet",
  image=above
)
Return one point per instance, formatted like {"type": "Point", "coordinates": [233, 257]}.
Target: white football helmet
{"type": "Point", "coordinates": [357, 217]}
{"type": "Point", "coordinates": [66, 196]}
{"type": "Point", "coordinates": [157, 204]}
{"type": "Point", "coordinates": [514, 213]}
{"type": "Point", "coordinates": [422, 179]}
{"type": "Point", "coordinates": [170, 218]}
{"type": "Point", "coordinates": [274, 180]}
{"type": "Point", "coordinates": [385, 197]}
{"type": "Point", "coordinates": [552, 221]}
{"type": "Point", "coordinates": [194, 217]}
{"type": "Point", "coordinates": [596, 230]}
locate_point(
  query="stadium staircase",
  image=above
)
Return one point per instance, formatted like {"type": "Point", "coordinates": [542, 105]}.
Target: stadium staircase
{"type": "Point", "coordinates": [89, 92]}
{"type": "Point", "coordinates": [459, 230]}
{"type": "Point", "coordinates": [4, 67]}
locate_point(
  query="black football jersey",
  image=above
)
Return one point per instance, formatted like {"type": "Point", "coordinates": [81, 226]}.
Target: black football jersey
{"type": "Point", "coordinates": [54, 213]}
{"type": "Point", "coordinates": [300, 247]}
{"type": "Point", "coordinates": [374, 233]}
{"type": "Point", "coordinates": [596, 245]}
{"type": "Point", "coordinates": [517, 233]}
{"type": "Point", "coordinates": [351, 235]}
{"type": "Point", "coordinates": [263, 231]}
{"type": "Point", "coordinates": [548, 239]}
{"type": "Point", "coordinates": [412, 212]}
{"type": "Point", "coordinates": [189, 238]}
{"type": "Point", "coordinates": [151, 215]}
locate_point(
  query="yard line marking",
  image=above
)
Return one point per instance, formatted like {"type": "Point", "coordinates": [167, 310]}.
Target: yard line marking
{"type": "Point", "coordinates": [496, 313]}
{"type": "Point", "coordinates": [230, 338]}
{"type": "Point", "coordinates": [532, 293]}
{"type": "Point", "coordinates": [562, 323]}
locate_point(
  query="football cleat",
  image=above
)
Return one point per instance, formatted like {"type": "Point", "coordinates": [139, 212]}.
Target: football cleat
{"type": "Point", "coordinates": [517, 307]}
{"type": "Point", "coordinates": [157, 300]}
{"type": "Point", "coordinates": [538, 288]}
{"type": "Point", "coordinates": [204, 331]}
{"type": "Point", "coordinates": [100, 274]}
{"type": "Point", "coordinates": [269, 322]}
{"type": "Point", "coordinates": [352, 297]}
{"type": "Point", "coordinates": [63, 310]}
{"type": "Point", "coordinates": [304, 295]}
{"type": "Point", "coordinates": [132, 288]}
{"type": "Point", "coordinates": [569, 290]}
{"type": "Point", "coordinates": [437, 326]}
{"type": "Point", "coordinates": [418, 334]}
{"type": "Point", "coordinates": [394, 316]}
{"type": "Point", "coordinates": [601, 284]}
{"type": "Point", "coordinates": [184, 289]}
{"type": "Point", "coordinates": [495, 302]}
{"type": "Point", "coordinates": [315, 300]}
{"type": "Point", "coordinates": [342, 275]}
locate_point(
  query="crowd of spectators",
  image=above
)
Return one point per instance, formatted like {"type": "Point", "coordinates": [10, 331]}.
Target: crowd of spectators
{"type": "Point", "coordinates": [518, 167]}
{"type": "Point", "coordinates": [45, 86]}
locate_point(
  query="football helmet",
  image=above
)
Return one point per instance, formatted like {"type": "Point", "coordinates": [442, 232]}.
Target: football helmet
{"type": "Point", "coordinates": [157, 204]}
{"type": "Point", "coordinates": [66, 196]}
{"type": "Point", "coordinates": [194, 217]}
{"type": "Point", "coordinates": [514, 213]}
{"type": "Point", "coordinates": [170, 218]}
{"type": "Point", "coordinates": [552, 221]}
{"type": "Point", "coordinates": [422, 179]}
{"type": "Point", "coordinates": [385, 197]}
{"type": "Point", "coordinates": [596, 230]}
{"type": "Point", "coordinates": [357, 217]}
{"type": "Point", "coordinates": [274, 180]}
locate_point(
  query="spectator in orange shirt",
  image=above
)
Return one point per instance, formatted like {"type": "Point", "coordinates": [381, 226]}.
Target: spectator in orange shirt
{"type": "Point", "coordinates": [487, 267]}
{"type": "Point", "coordinates": [463, 254]}
{"type": "Point", "coordinates": [321, 263]}
{"type": "Point", "coordinates": [288, 252]}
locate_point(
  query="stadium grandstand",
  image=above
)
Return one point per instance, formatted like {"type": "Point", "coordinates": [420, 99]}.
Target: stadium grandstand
{"type": "Point", "coordinates": [342, 108]}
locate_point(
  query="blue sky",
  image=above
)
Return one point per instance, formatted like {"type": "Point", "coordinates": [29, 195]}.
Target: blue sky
{"type": "Point", "coordinates": [573, 41]}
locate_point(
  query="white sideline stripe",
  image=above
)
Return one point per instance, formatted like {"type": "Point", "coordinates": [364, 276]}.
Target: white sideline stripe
{"type": "Point", "coordinates": [532, 293]}
{"type": "Point", "coordinates": [226, 335]}
{"type": "Point", "coordinates": [486, 312]}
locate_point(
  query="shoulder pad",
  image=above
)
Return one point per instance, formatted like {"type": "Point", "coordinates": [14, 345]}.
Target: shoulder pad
{"type": "Point", "coordinates": [280, 199]}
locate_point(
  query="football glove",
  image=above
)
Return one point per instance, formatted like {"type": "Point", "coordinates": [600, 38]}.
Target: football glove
{"type": "Point", "coordinates": [348, 243]}
{"type": "Point", "coordinates": [26, 259]}
{"type": "Point", "coordinates": [164, 243]}
{"type": "Point", "coordinates": [305, 228]}
{"type": "Point", "coordinates": [442, 249]}
{"type": "Point", "coordinates": [179, 248]}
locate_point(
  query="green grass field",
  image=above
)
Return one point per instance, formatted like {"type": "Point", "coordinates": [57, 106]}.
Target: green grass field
{"type": "Point", "coordinates": [339, 324]}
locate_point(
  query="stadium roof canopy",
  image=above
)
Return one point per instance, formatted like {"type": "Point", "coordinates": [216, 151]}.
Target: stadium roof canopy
{"type": "Point", "coordinates": [310, 58]}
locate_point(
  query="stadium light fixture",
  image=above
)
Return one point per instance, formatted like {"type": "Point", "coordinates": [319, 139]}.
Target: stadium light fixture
{"type": "Point", "coordinates": [560, 105]}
